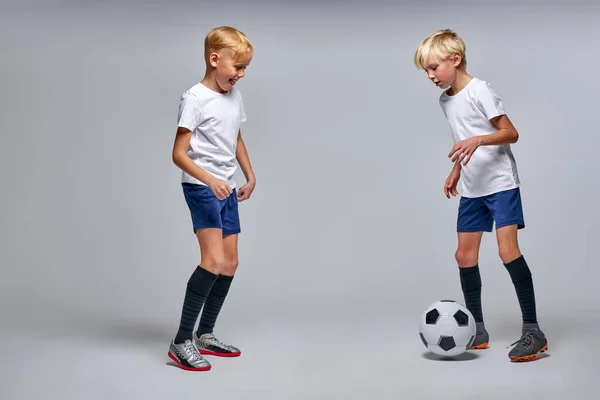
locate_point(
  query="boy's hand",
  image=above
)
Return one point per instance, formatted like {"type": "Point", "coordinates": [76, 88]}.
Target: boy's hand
{"type": "Point", "coordinates": [464, 149]}
{"type": "Point", "coordinates": [220, 188]}
{"type": "Point", "coordinates": [246, 191]}
{"type": "Point", "coordinates": [451, 182]}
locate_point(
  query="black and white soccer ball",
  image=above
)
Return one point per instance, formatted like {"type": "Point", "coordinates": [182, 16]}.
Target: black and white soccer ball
{"type": "Point", "coordinates": [447, 328]}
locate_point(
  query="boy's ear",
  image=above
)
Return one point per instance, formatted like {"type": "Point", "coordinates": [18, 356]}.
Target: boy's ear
{"type": "Point", "coordinates": [456, 59]}
{"type": "Point", "coordinates": [213, 58]}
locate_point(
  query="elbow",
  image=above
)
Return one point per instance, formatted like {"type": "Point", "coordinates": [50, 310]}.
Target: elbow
{"type": "Point", "coordinates": [514, 136]}
{"type": "Point", "coordinates": [176, 157]}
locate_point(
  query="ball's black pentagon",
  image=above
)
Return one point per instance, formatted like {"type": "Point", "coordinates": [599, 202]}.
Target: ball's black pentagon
{"type": "Point", "coordinates": [471, 342]}
{"type": "Point", "coordinates": [423, 339]}
{"type": "Point", "coordinates": [432, 316]}
{"type": "Point", "coordinates": [446, 301]}
{"type": "Point", "coordinates": [447, 343]}
{"type": "Point", "coordinates": [462, 319]}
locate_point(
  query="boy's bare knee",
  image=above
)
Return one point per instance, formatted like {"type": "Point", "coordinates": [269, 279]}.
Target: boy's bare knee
{"type": "Point", "coordinates": [230, 267]}
{"type": "Point", "coordinates": [465, 258]}
{"type": "Point", "coordinates": [509, 253]}
{"type": "Point", "coordinates": [214, 265]}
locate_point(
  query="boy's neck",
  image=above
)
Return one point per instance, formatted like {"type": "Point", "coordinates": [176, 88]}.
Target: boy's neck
{"type": "Point", "coordinates": [462, 80]}
{"type": "Point", "coordinates": [210, 82]}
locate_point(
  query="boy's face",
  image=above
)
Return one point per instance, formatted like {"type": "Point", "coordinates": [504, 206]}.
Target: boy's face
{"type": "Point", "coordinates": [229, 68]}
{"type": "Point", "coordinates": [442, 72]}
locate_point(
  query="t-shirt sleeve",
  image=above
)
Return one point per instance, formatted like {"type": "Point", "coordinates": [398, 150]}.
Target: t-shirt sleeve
{"type": "Point", "coordinates": [488, 102]}
{"type": "Point", "coordinates": [189, 116]}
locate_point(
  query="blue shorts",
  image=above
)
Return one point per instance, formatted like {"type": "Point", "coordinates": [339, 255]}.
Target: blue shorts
{"type": "Point", "coordinates": [478, 214]}
{"type": "Point", "coordinates": [209, 212]}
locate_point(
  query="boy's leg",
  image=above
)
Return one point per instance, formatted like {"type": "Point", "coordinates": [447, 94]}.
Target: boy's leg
{"type": "Point", "coordinates": [199, 285]}
{"type": "Point", "coordinates": [218, 293]}
{"type": "Point", "coordinates": [205, 339]}
{"type": "Point", "coordinates": [473, 219]}
{"type": "Point", "coordinates": [532, 339]}
{"type": "Point", "coordinates": [507, 211]}
{"type": "Point", "coordinates": [467, 256]}
{"type": "Point", "coordinates": [202, 280]}
{"type": "Point", "coordinates": [518, 269]}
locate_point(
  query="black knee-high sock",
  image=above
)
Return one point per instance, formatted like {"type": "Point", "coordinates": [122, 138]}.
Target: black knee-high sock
{"type": "Point", "coordinates": [213, 304]}
{"type": "Point", "coordinates": [521, 278]}
{"type": "Point", "coordinates": [470, 281]}
{"type": "Point", "coordinates": [198, 287]}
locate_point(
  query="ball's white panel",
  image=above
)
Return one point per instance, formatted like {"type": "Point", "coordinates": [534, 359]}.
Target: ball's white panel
{"type": "Point", "coordinates": [430, 332]}
{"type": "Point", "coordinates": [447, 307]}
{"type": "Point", "coordinates": [463, 334]}
{"type": "Point", "coordinates": [446, 325]}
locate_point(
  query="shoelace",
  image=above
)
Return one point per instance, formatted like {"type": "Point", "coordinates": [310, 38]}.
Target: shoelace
{"type": "Point", "coordinates": [191, 350]}
{"type": "Point", "coordinates": [526, 340]}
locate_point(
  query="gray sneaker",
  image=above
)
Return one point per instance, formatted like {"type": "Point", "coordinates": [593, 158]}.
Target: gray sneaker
{"type": "Point", "coordinates": [208, 344]}
{"type": "Point", "coordinates": [481, 341]}
{"type": "Point", "coordinates": [187, 357]}
{"type": "Point", "coordinates": [532, 341]}
{"type": "Point", "coordinates": [482, 338]}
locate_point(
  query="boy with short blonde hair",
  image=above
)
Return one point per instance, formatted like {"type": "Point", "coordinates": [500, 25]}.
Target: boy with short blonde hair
{"type": "Point", "coordinates": [207, 145]}
{"type": "Point", "coordinates": [489, 182]}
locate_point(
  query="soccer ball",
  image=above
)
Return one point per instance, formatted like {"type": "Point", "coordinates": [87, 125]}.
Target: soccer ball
{"type": "Point", "coordinates": [447, 328]}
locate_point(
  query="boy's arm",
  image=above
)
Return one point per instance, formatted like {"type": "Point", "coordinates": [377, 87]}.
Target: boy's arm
{"type": "Point", "coordinates": [452, 181]}
{"type": "Point", "coordinates": [241, 154]}
{"type": "Point", "coordinates": [220, 188]}
{"type": "Point", "coordinates": [243, 159]}
{"type": "Point", "coordinates": [457, 167]}
{"type": "Point", "coordinates": [505, 134]}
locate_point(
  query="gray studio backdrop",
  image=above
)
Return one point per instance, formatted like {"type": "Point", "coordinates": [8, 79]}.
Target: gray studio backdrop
{"type": "Point", "coordinates": [348, 221]}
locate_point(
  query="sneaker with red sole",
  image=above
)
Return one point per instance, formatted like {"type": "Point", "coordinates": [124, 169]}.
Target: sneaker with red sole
{"type": "Point", "coordinates": [208, 344]}
{"type": "Point", "coordinates": [187, 357]}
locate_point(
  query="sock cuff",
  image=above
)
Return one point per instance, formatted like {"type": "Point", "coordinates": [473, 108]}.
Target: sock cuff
{"type": "Point", "coordinates": [518, 269]}
{"type": "Point", "coordinates": [221, 285]}
{"type": "Point", "coordinates": [469, 270]}
{"type": "Point", "coordinates": [225, 278]}
{"type": "Point", "coordinates": [200, 279]}
{"type": "Point", "coordinates": [516, 261]}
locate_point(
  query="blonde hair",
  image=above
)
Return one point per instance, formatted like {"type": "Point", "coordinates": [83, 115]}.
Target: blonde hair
{"type": "Point", "coordinates": [442, 45]}
{"type": "Point", "coordinates": [227, 37]}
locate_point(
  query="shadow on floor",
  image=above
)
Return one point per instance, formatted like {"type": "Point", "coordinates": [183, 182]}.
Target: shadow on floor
{"type": "Point", "coordinates": [145, 332]}
{"type": "Point", "coordinates": [120, 332]}
{"type": "Point", "coordinates": [467, 356]}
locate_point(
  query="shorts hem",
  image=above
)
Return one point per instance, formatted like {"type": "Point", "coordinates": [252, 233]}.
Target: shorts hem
{"type": "Point", "coordinates": [206, 227]}
{"type": "Point", "coordinates": [225, 232]}
{"type": "Point", "coordinates": [520, 224]}
{"type": "Point", "coordinates": [469, 230]}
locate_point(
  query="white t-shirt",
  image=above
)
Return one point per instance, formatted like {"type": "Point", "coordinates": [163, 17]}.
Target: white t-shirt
{"type": "Point", "coordinates": [491, 169]}
{"type": "Point", "coordinates": [214, 120]}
